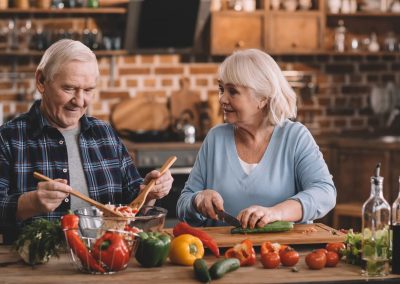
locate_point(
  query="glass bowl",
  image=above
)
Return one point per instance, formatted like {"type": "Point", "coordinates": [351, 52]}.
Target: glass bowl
{"type": "Point", "coordinates": [148, 219]}
{"type": "Point", "coordinates": [109, 253]}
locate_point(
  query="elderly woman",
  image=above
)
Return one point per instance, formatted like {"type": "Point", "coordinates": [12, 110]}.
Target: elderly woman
{"type": "Point", "coordinates": [259, 166]}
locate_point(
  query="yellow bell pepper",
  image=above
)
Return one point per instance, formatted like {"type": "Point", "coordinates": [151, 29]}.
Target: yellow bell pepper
{"type": "Point", "coordinates": [185, 249]}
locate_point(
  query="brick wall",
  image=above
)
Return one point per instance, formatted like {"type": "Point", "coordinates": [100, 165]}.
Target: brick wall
{"type": "Point", "coordinates": [338, 99]}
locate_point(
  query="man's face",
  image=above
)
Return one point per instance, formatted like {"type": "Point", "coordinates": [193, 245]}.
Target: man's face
{"type": "Point", "coordinates": [66, 98]}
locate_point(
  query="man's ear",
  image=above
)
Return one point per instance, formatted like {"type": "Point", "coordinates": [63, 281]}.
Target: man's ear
{"type": "Point", "coordinates": [40, 81]}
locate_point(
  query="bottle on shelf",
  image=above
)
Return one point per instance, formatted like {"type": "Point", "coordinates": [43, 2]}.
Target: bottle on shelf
{"type": "Point", "coordinates": [396, 234]}
{"type": "Point", "coordinates": [340, 37]}
{"type": "Point", "coordinates": [376, 230]}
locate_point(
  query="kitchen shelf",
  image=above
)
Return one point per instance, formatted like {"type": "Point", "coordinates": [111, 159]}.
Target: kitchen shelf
{"type": "Point", "coordinates": [17, 11]}
{"type": "Point", "coordinates": [364, 14]}
{"type": "Point", "coordinates": [22, 53]}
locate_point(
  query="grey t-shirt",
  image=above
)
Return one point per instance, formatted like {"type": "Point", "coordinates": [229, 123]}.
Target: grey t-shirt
{"type": "Point", "coordinates": [76, 173]}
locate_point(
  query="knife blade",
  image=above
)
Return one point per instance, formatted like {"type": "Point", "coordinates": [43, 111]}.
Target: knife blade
{"type": "Point", "coordinates": [229, 219]}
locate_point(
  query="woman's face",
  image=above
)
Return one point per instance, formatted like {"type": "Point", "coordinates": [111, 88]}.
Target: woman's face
{"type": "Point", "coordinates": [240, 105]}
{"type": "Point", "coordinates": [66, 98]}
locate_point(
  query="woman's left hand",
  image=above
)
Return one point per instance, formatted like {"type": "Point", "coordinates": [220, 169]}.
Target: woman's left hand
{"type": "Point", "coordinates": [163, 184]}
{"type": "Point", "coordinates": [256, 215]}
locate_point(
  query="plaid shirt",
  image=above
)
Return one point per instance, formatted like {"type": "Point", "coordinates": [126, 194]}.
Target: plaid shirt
{"type": "Point", "coordinates": [28, 143]}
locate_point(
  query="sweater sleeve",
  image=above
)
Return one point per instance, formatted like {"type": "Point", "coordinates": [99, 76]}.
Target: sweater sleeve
{"type": "Point", "coordinates": [195, 184]}
{"type": "Point", "coordinates": [314, 185]}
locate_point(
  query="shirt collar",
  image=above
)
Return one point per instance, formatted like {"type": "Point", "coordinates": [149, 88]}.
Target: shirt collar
{"type": "Point", "coordinates": [39, 123]}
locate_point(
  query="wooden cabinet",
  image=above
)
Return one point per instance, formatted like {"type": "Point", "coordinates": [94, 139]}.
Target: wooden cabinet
{"type": "Point", "coordinates": [294, 32]}
{"type": "Point", "coordinates": [235, 30]}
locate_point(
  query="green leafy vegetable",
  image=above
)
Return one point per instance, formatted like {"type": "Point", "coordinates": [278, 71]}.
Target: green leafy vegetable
{"type": "Point", "coordinates": [353, 249]}
{"type": "Point", "coordinates": [39, 241]}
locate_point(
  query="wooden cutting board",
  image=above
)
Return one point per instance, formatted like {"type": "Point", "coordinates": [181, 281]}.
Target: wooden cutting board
{"type": "Point", "coordinates": [322, 234]}
{"type": "Point", "coordinates": [140, 114]}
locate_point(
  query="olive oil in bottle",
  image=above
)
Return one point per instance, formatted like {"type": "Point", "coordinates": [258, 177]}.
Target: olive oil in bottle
{"type": "Point", "coordinates": [396, 234]}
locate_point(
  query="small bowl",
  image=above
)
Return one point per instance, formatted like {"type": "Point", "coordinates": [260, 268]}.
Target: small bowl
{"type": "Point", "coordinates": [148, 219]}
{"type": "Point", "coordinates": [112, 259]}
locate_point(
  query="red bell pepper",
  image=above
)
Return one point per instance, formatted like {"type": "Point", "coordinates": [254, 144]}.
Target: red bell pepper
{"type": "Point", "coordinates": [111, 249]}
{"type": "Point", "coordinates": [244, 252]}
{"type": "Point", "coordinates": [183, 228]}
{"type": "Point", "coordinates": [69, 223]}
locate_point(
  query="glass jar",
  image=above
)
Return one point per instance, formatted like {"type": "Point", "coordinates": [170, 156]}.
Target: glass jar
{"type": "Point", "coordinates": [376, 230]}
{"type": "Point", "coordinates": [396, 234]}
{"type": "Point", "coordinates": [340, 37]}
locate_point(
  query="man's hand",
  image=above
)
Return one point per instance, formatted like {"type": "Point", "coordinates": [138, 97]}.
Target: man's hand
{"type": "Point", "coordinates": [46, 198]}
{"type": "Point", "coordinates": [162, 186]}
{"type": "Point", "coordinates": [208, 202]}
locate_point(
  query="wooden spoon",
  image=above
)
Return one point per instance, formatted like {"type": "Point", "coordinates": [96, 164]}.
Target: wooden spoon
{"type": "Point", "coordinates": [138, 202]}
{"type": "Point", "coordinates": [107, 211]}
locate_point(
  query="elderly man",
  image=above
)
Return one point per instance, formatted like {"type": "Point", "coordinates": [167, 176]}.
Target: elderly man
{"type": "Point", "coordinates": [58, 139]}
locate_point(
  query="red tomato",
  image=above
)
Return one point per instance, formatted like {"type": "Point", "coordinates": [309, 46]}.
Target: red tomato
{"type": "Point", "coordinates": [336, 247]}
{"type": "Point", "coordinates": [316, 260]}
{"type": "Point", "coordinates": [270, 260]}
{"type": "Point", "coordinates": [332, 259]}
{"type": "Point", "coordinates": [289, 257]}
{"type": "Point", "coordinates": [324, 251]}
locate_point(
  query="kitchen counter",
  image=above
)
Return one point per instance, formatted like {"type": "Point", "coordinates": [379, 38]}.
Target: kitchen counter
{"type": "Point", "coordinates": [62, 271]}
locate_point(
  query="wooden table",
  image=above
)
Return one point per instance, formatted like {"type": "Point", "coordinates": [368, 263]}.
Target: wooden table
{"type": "Point", "coordinates": [62, 271]}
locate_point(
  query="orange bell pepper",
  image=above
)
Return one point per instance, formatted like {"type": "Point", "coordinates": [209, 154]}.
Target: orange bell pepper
{"type": "Point", "coordinates": [244, 252]}
{"type": "Point", "coordinates": [185, 249]}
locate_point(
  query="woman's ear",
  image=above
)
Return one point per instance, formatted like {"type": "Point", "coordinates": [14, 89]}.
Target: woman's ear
{"type": "Point", "coordinates": [263, 103]}
{"type": "Point", "coordinates": [40, 81]}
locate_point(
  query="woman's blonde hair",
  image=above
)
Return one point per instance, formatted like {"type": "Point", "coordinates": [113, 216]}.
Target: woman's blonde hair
{"type": "Point", "coordinates": [61, 52]}
{"type": "Point", "coordinates": [257, 70]}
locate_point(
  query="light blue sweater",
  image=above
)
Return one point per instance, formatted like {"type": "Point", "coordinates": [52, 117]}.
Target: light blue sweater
{"type": "Point", "coordinates": [292, 167]}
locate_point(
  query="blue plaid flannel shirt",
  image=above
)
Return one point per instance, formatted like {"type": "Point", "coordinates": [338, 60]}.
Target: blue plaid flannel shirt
{"type": "Point", "coordinates": [28, 143]}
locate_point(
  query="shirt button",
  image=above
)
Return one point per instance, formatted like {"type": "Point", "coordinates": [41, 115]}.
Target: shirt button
{"type": "Point", "coordinates": [61, 142]}
{"type": "Point", "coordinates": [66, 199]}
{"type": "Point", "coordinates": [65, 170]}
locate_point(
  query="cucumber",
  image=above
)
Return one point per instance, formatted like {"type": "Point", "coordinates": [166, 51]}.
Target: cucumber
{"type": "Point", "coordinates": [223, 266]}
{"type": "Point", "coordinates": [201, 270]}
{"type": "Point", "coordinates": [278, 226]}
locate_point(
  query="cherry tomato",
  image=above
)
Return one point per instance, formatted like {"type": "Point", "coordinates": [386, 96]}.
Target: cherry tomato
{"type": "Point", "coordinates": [270, 260]}
{"type": "Point", "coordinates": [289, 257]}
{"type": "Point", "coordinates": [316, 260]}
{"type": "Point", "coordinates": [332, 259]}
{"type": "Point", "coordinates": [336, 247]}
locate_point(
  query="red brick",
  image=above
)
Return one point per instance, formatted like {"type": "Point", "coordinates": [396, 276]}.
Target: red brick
{"type": "Point", "coordinates": [305, 67]}
{"type": "Point", "coordinates": [148, 59]}
{"type": "Point", "coordinates": [114, 95]}
{"type": "Point", "coordinates": [104, 72]}
{"type": "Point", "coordinates": [167, 82]}
{"type": "Point", "coordinates": [325, 123]}
{"type": "Point", "coordinates": [131, 59]}
{"type": "Point", "coordinates": [9, 97]}
{"type": "Point", "coordinates": [203, 69]}
{"type": "Point", "coordinates": [134, 71]}
{"type": "Point", "coordinates": [21, 107]}
{"type": "Point", "coordinates": [131, 83]}
{"type": "Point", "coordinates": [339, 123]}
{"type": "Point", "coordinates": [322, 78]}
{"type": "Point", "coordinates": [169, 58]}
{"type": "Point", "coordinates": [324, 101]}
{"type": "Point", "coordinates": [104, 117]}
{"type": "Point", "coordinates": [96, 107]}
{"type": "Point", "coordinates": [201, 82]}
{"type": "Point", "coordinates": [115, 83]}
{"type": "Point", "coordinates": [356, 102]}
{"type": "Point", "coordinates": [151, 94]}
{"type": "Point", "coordinates": [5, 85]}
{"type": "Point", "coordinates": [168, 70]}
{"type": "Point", "coordinates": [149, 82]}
{"type": "Point", "coordinates": [6, 108]}
{"type": "Point", "coordinates": [338, 79]}
{"type": "Point", "coordinates": [357, 122]}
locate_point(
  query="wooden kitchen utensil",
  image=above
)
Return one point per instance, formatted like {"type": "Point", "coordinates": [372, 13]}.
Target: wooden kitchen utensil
{"type": "Point", "coordinates": [138, 202]}
{"type": "Point", "coordinates": [107, 211]}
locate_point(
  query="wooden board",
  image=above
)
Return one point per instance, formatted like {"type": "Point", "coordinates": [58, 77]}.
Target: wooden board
{"type": "Point", "coordinates": [323, 234]}
{"type": "Point", "coordinates": [185, 100]}
{"type": "Point", "coordinates": [140, 114]}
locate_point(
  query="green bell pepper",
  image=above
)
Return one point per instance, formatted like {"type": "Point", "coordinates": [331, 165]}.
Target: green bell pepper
{"type": "Point", "coordinates": [153, 249]}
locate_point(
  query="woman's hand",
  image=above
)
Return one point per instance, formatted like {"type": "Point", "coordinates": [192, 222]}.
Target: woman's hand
{"type": "Point", "coordinates": [208, 202]}
{"type": "Point", "coordinates": [256, 215]}
{"type": "Point", "coordinates": [162, 186]}
{"type": "Point", "coordinates": [50, 194]}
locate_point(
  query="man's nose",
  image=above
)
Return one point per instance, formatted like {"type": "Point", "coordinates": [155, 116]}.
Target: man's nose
{"type": "Point", "coordinates": [79, 97]}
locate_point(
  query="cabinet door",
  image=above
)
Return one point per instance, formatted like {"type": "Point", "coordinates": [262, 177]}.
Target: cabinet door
{"type": "Point", "coordinates": [294, 32]}
{"type": "Point", "coordinates": [353, 171]}
{"type": "Point", "coordinates": [231, 31]}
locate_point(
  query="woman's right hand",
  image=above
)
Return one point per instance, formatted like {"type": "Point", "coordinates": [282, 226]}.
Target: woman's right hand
{"type": "Point", "coordinates": [208, 202]}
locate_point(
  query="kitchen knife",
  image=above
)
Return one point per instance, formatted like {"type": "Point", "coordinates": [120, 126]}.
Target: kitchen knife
{"type": "Point", "coordinates": [229, 219]}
